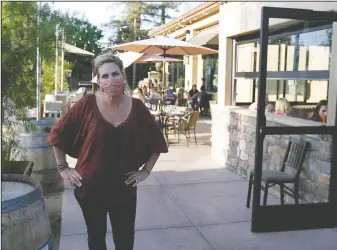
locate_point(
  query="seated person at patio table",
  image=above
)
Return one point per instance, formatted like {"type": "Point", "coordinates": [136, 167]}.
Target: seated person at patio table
{"type": "Point", "coordinates": [155, 98]}
{"type": "Point", "coordinates": [193, 96]}
{"type": "Point", "coordinates": [321, 111]}
{"type": "Point", "coordinates": [117, 143]}
{"type": "Point", "coordinates": [170, 97]}
{"type": "Point", "coordinates": [155, 95]}
{"type": "Point", "coordinates": [204, 101]}
{"type": "Point", "coordinates": [193, 91]}
{"type": "Point", "coordinates": [269, 106]}
{"type": "Point", "coordinates": [282, 107]}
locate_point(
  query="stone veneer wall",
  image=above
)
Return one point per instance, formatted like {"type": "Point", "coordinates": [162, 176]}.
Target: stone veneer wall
{"type": "Point", "coordinates": [233, 145]}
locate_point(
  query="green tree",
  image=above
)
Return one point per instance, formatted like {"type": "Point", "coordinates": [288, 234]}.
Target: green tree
{"type": "Point", "coordinates": [81, 33]}
{"type": "Point", "coordinates": [161, 10]}
{"type": "Point", "coordinates": [48, 74]}
{"type": "Point", "coordinates": [18, 60]}
{"type": "Point", "coordinates": [19, 41]}
{"type": "Point", "coordinates": [123, 30]}
{"type": "Point", "coordinates": [145, 14]}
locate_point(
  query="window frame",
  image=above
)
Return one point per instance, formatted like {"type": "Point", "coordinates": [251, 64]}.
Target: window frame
{"type": "Point", "coordinates": [280, 76]}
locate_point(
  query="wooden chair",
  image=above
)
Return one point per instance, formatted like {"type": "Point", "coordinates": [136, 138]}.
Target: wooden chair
{"type": "Point", "coordinates": [294, 158]}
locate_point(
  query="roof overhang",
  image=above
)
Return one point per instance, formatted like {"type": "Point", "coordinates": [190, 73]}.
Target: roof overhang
{"type": "Point", "coordinates": [191, 16]}
{"type": "Point", "coordinates": [77, 51]}
{"type": "Point", "coordinates": [206, 37]}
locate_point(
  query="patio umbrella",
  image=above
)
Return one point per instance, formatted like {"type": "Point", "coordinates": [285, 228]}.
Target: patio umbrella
{"type": "Point", "coordinates": [156, 58]}
{"type": "Point", "coordinates": [133, 57]}
{"type": "Point", "coordinates": [129, 58]}
{"type": "Point", "coordinates": [162, 45]}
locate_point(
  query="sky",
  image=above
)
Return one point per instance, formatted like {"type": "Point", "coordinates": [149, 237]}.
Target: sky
{"type": "Point", "coordinates": [99, 13]}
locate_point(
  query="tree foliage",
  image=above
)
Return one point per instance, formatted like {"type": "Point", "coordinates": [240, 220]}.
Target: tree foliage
{"type": "Point", "coordinates": [47, 76]}
{"type": "Point", "coordinates": [160, 11]}
{"type": "Point", "coordinates": [81, 33]}
{"type": "Point", "coordinates": [19, 41]}
{"type": "Point", "coordinates": [145, 13]}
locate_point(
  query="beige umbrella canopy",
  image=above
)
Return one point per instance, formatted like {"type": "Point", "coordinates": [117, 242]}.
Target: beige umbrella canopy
{"type": "Point", "coordinates": [163, 45]}
{"type": "Point", "coordinates": [133, 57]}
{"type": "Point", "coordinates": [129, 58]}
{"type": "Point", "coordinates": [156, 58]}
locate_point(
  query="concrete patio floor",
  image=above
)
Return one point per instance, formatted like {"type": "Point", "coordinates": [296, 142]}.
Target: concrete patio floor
{"type": "Point", "coordinates": [192, 203]}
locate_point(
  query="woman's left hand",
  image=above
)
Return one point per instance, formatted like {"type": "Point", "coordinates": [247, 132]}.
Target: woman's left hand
{"type": "Point", "coordinates": [136, 176]}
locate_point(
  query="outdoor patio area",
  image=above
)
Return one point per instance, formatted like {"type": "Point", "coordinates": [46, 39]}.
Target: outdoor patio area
{"type": "Point", "coordinates": [190, 202]}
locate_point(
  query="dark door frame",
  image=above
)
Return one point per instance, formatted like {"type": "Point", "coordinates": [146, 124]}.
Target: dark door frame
{"type": "Point", "coordinates": [289, 216]}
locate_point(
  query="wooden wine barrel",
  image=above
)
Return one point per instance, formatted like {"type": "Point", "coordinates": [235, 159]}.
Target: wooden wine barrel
{"type": "Point", "coordinates": [34, 144]}
{"type": "Point", "coordinates": [24, 217]}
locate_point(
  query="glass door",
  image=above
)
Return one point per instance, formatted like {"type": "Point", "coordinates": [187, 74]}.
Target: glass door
{"type": "Point", "coordinates": [302, 193]}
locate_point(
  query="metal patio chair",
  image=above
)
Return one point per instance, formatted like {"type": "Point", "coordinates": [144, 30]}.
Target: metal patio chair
{"type": "Point", "coordinates": [185, 125]}
{"type": "Point", "coordinates": [294, 158]}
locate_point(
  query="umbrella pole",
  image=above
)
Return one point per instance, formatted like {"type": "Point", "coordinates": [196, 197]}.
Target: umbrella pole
{"type": "Point", "coordinates": [163, 80]}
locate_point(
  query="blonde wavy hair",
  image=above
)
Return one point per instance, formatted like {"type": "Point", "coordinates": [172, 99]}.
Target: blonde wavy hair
{"type": "Point", "coordinates": [109, 57]}
{"type": "Point", "coordinates": [283, 106]}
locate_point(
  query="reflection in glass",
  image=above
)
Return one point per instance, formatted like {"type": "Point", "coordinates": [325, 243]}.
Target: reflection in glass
{"type": "Point", "coordinates": [210, 72]}
{"type": "Point", "coordinates": [245, 57]}
{"type": "Point", "coordinates": [312, 53]}
{"type": "Point", "coordinates": [274, 90]}
{"type": "Point", "coordinates": [314, 173]}
{"type": "Point", "coordinates": [295, 91]}
{"type": "Point", "coordinates": [309, 51]}
{"type": "Point", "coordinates": [176, 74]}
{"type": "Point", "coordinates": [244, 90]}
{"type": "Point", "coordinates": [281, 52]}
{"type": "Point", "coordinates": [316, 91]}
{"type": "Point", "coordinates": [315, 50]}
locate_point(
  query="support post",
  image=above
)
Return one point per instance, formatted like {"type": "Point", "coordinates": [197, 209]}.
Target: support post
{"type": "Point", "coordinates": [62, 61]}
{"type": "Point", "coordinates": [332, 97]}
{"type": "Point", "coordinates": [56, 58]}
{"type": "Point", "coordinates": [38, 68]}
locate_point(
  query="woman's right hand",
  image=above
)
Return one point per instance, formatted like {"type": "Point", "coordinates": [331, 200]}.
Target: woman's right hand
{"type": "Point", "coordinates": [70, 174]}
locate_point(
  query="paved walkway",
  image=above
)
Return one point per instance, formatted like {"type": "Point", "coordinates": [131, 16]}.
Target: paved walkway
{"type": "Point", "coordinates": [192, 203]}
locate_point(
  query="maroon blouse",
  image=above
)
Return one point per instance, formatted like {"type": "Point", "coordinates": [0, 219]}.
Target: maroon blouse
{"type": "Point", "coordinates": [106, 153]}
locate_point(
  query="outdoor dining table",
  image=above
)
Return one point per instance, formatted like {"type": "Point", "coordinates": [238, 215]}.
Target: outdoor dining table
{"type": "Point", "coordinates": [164, 118]}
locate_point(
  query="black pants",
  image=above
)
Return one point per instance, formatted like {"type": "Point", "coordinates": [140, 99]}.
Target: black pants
{"type": "Point", "coordinates": [122, 218]}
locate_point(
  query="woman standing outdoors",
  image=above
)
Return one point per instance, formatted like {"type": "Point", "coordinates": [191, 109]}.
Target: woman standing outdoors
{"type": "Point", "coordinates": [117, 143]}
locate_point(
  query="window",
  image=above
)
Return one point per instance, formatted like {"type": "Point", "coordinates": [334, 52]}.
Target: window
{"type": "Point", "coordinates": [315, 50]}
{"type": "Point", "coordinates": [295, 90]}
{"type": "Point", "coordinates": [246, 57]}
{"type": "Point", "coordinates": [297, 67]}
{"type": "Point", "coordinates": [281, 54]}
{"type": "Point", "coordinates": [210, 71]}
{"type": "Point", "coordinates": [274, 90]}
{"type": "Point", "coordinates": [244, 89]}
{"type": "Point", "coordinates": [316, 91]}
{"type": "Point", "coordinates": [176, 74]}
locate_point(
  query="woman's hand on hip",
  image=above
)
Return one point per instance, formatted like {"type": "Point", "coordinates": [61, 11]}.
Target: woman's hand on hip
{"type": "Point", "coordinates": [70, 174]}
{"type": "Point", "coordinates": [135, 177]}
